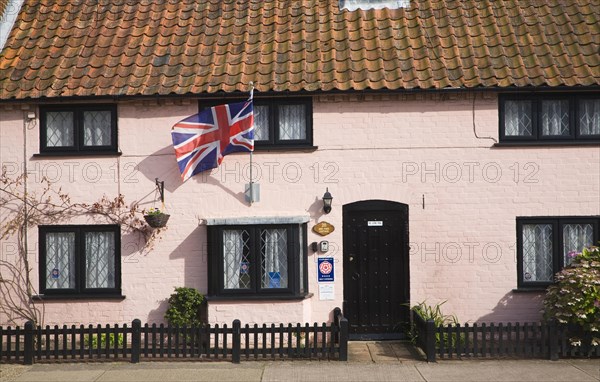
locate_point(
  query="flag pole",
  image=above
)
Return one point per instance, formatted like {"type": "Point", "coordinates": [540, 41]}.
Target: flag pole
{"type": "Point", "coordinates": [251, 152]}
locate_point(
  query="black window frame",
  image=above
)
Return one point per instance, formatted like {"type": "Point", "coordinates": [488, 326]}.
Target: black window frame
{"type": "Point", "coordinates": [80, 289]}
{"type": "Point", "coordinates": [297, 285]}
{"type": "Point", "coordinates": [273, 103]}
{"type": "Point", "coordinates": [78, 148]}
{"type": "Point", "coordinates": [557, 223]}
{"type": "Point", "coordinates": [536, 107]}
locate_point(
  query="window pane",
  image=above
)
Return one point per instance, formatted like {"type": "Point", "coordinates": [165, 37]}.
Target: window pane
{"type": "Point", "coordinates": [60, 260]}
{"type": "Point", "coordinates": [99, 259]}
{"type": "Point", "coordinates": [517, 118]}
{"type": "Point", "coordinates": [555, 117]}
{"type": "Point", "coordinates": [575, 238]}
{"type": "Point", "coordinates": [261, 123]}
{"type": "Point", "coordinates": [274, 258]}
{"type": "Point", "coordinates": [292, 122]}
{"type": "Point", "coordinates": [59, 129]}
{"type": "Point", "coordinates": [589, 117]}
{"type": "Point", "coordinates": [537, 252]}
{"type": "Point", "coordinates": [236, 261]}
{"type": "Point", "coordinates": [97, 128]}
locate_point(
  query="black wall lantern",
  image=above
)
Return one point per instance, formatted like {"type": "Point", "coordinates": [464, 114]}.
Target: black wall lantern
{"type": "Point", "coordinates": [327, 199]}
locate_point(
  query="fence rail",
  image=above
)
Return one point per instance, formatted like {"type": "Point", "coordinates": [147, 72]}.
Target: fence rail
{"type": "Point", "coordinates": [527, 340]}
{"type": "Point", "coordinates": [152, 342]}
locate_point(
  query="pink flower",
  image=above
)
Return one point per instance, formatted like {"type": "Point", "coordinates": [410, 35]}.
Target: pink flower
{"type": "Point", "coordinates": [572, 254]}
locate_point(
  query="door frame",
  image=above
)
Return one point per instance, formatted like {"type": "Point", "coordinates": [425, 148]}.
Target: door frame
{"type": "Point", "coordinates": [389, 206]}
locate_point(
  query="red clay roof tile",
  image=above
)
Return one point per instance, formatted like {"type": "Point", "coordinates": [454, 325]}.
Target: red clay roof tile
{"type": "Point", "coordinates": [64, 48]}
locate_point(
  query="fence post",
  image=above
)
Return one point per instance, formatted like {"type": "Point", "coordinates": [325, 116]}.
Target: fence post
{"type": "Point", "coordinates": [28, 350]}
{"type": "Point", "coordinates": [337, 312]}
{"type": "Point", "coordinates": [430, 340]}
{"type": "Point", "coordinates": [553, 339]}
{"type": "Point", "coordinates": [237, 341]}
{"type": "Point", "coordinates": [136, 340]}
{"type": "Point", "coordinates": [343, 339]}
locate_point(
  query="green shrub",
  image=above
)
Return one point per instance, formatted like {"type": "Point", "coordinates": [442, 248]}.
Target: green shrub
{"type": "Point", "coordinates": [434, 312]}
{"type": "Point", "coordinates": [575, 297]}
{"type": "Point", "coordinates": [111, 341]}
{"type": "Point", "coordinates": [184, 307]}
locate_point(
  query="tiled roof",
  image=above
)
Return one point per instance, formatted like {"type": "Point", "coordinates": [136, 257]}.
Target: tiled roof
{"type": "Point", "coordinates": [159, 47]}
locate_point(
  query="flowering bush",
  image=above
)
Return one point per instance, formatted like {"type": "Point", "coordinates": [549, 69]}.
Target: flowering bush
{"type": "Point", "coordinates": [575, 297]}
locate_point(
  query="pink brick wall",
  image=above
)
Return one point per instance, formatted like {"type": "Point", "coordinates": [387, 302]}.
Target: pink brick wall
{"type": "Point", "coordinates": [394, 148]}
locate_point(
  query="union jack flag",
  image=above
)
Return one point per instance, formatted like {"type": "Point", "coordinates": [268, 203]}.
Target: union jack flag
{"type": "Point", "coordinates": [202, 140]}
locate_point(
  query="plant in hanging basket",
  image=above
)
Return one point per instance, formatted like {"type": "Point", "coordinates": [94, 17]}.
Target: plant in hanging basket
{"type": "Point", "coordinates": [156, 218]}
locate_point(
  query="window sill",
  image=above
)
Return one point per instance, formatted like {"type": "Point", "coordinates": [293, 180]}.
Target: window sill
{"type": "Point", "coordinates": [545, 144]}
{"type": "Point", "coordinates": [300, 148]}
{"type": "Point", "coordinates": [101, 297]}
{"type": "Point", "coordinates": [259, 298]}
{"type": "Point", "coordinates": [529, 290]}
{"type": "Point", "coordinates": [79, 154]}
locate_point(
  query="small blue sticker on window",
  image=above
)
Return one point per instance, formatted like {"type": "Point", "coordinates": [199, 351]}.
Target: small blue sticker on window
{"type": "Point", "coordinates": [244, 268]}
{"type": "Point", "coordinates": [55, 273]}
{"type": "Point", "coordinates": [274, 280]}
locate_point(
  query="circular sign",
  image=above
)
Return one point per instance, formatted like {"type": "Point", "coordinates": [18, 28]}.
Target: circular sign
{"type": "Point", "coordinates": [325, 267]}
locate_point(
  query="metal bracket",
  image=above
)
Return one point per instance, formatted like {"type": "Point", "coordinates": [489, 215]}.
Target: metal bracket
{"type": "Point", "coordinates": [161, 189]}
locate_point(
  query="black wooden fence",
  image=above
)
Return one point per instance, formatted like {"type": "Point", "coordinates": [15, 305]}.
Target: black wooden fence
{"type": "Point", "coordinates": [154, 342]}
{"type": "Point", "coordinates": [529, 340]}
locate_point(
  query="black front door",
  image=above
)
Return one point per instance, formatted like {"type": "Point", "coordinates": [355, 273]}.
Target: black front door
{"type": "Point", "coordinates": [376, 276]}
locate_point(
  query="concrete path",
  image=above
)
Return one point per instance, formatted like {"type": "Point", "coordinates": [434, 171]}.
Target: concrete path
{"type": "Point", "coordinates": [368, 361]}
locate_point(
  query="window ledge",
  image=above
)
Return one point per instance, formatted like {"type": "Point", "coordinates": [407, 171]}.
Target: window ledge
{"type": "Point", "coordinates": [79, 154]}
{"type": "Point", "coordinates": [545, 144]}
{"type": "Point", "coordinates": [259, 298]}
{"type": "Point", "coordinates": [48, 297]}
{"type": "Point", "coordinates": [530, 290]}
{"type": "Point", "coordinates": [300, 148]}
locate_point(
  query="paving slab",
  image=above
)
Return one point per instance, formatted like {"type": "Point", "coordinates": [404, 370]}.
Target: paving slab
{"type": "Point", "coordinates": [502, 371]}
{"type": "Point", "coordinates": [359, 352]}
{"type": "Point", "coordinates": [340, 372]}
{"type": "Point", "coordinates": [382, 352]}
{"type": "Point", "coordinates": [590, 366]}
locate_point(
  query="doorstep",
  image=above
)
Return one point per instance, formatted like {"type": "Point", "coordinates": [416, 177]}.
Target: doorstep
{"type": "Point", "coordinates": [383, 352]}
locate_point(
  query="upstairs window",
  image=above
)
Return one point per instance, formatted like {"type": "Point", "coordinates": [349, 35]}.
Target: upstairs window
{"type": "Point", "coordinates": [78, 129]}
{"type": "Point", "coordinates": [546, 118]}
{"type": "Point", "coordinates": [545, 246]}
{"type": "Point", "coordinates": [279, 122]}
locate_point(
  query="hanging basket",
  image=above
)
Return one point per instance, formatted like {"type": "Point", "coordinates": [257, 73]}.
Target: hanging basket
{"type": "Point", "coordinates": [157, 221]}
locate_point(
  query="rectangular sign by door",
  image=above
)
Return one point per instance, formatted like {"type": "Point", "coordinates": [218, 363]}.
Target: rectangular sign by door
{"type": "Point", "coordinates": [325, 269]}
{"type": "Point", "coordinates": [375, 223]}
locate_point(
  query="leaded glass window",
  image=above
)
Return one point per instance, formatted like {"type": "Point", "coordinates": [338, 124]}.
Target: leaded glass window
{"type": "Point", "coordinates": [549, 118]}
{"type": "Point", "coordinates": [575, 238]}
{"type": "Point", "coordinates": [80, 259]}
{"type": "Point", "coordinates": [60, 129]}
{"type": "Point", "coordinates": [60, 260]}
{"type": "Point", "coordinates": [589, 116]}
{"type": "Point", "coordinates": [548, 244]}
{"type": "Point", "coordinates": [537, 252]}
{"type": "Point", "coordinates": [274, 253]}
{"type": "Point", "coordinates": [257, 260]}
{"type": "Point", "coordinates": [97, 128]}
{"type": "Point", "coordinates": [518, 118]}
{"type": "Point", "coordinates": [236, 259]}
{"type": "Point", "coordinates": [292, 122]}
{"type": "Point", "coordinates": [261, 123]}
{"type": "Point", "coordinates": [555, 117]}
{"type": "Point", "coordinates": [78, 129]}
